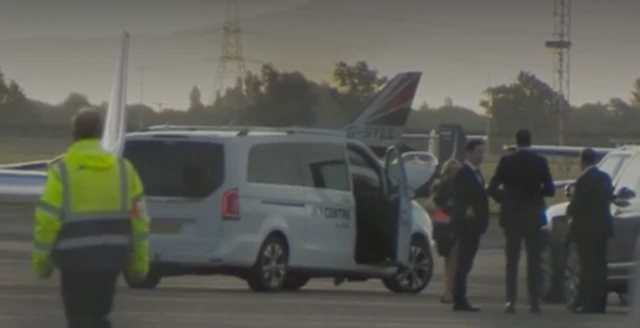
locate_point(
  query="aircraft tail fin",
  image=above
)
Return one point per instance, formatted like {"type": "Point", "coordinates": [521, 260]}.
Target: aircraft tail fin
{"type": "Point", "coordinates": [381, 122]}
{"type": "Point", "coordinates": [115, 120]}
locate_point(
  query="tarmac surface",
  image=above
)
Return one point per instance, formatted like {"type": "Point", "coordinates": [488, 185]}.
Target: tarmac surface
{"type": "Point", "coordinates": [195, 301]}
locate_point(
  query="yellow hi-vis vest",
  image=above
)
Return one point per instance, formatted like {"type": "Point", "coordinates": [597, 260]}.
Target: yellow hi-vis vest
{"type": "Point", "coordinates": [92, 215]}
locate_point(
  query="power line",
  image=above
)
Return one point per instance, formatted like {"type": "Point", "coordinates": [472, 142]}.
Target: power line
{"type": "Point", "coordinates": [519, 31]}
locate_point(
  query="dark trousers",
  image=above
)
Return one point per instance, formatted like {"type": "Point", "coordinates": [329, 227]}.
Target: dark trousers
{"type": "Point", "coordinates": [532, 238]}
{"type": "Point", "coordinates": [468, 243]}
{"type": "Point", "coordinates": [592, 284]}
{"type": "Point", "coordinates": [88, 298]}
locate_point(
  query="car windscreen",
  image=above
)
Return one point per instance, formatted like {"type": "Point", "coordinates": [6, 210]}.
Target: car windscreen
{"type": "Point", "coordinates": [177, 168]}
{"type": "Point", "coordinates": [612, 164]}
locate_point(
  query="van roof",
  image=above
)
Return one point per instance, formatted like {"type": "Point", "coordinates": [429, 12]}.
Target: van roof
{"type": "Point", "coordinates": [628, 148]}
{"type": "Point", "coordinates": [232, 131]}
{"type": "Point", "coordinates": [218, 134]}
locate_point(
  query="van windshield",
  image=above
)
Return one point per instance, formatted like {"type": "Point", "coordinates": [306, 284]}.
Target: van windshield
{"type": "Point", "coordinates": [175, 168]}
{"type": "Point", "coordinates": [612, 164]}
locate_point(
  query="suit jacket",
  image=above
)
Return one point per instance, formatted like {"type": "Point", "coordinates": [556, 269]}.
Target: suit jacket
{"type": "Point", "coordinates": [590, 206]}
{"type": "Point", "coordinates": [469, 192]}
{"type": "Point", "coordinates": [519, 185]}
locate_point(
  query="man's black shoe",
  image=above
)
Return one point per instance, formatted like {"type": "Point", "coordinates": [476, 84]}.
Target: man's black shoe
{"type": "Point", "coordinates": [510, 307]}
{"type": "Point", "coordinates": [465, 308]}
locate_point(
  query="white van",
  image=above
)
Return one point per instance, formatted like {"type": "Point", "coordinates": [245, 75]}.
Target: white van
{"type": "Point", "coordinates": [278, 207]}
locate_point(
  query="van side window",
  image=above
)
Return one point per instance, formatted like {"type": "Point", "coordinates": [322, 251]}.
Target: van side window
{"type": "Point", "coordinates": [362, 172]}
{"type": "Point", "coordinates": [275, 163]}
{"type": "Point", "coordinates": [324, 165]}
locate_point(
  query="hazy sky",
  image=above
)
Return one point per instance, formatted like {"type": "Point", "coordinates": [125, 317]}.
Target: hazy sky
{"type": "Point", "coordinates": [53, 47]}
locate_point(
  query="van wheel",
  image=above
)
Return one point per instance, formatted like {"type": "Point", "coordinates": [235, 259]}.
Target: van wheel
{"type": "Point", "coordinates": [572, 275]}
{"type": "Point", "coordinates": [150, 282]}
{"type": "Point", "coordinates": [546, 281]}
{"type": "Point", "coordinates": [270, 270]}
{"type": "Point", "coordinates": [416, 276]}
{"type": "Point", "coordinates": [294, 282]}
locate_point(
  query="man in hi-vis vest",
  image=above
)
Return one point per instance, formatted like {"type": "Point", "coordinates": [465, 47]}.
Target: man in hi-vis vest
{"type": "Point", "coordinates": [91, 223]}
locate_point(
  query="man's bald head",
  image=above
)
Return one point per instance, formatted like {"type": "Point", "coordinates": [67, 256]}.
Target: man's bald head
{"type": "Point", "coordinates": [87, 124]}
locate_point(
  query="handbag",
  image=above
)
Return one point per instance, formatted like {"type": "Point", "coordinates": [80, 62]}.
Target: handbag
{"type": "Point", "coordinates": [440, 216]}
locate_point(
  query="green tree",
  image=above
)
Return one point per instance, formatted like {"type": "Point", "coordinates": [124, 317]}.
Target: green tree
{"type": "Point", "coordinates": [526, 103]}
{"type": "Point", "coordinates": [14, 105]}
{"type": "Point", "coordinates": [448, 102]}
{"type": "Point", "coordinates": [139, 116]}
{"type": "Point", "coordinates": [356, 84]}
{"type": "Point", "coordinates": [423, 106]}
{"type": "Point", "coordinates": [195, 100]}
{"type": "Point", "coordinates": [4, 90]}
{"type": "Point", "coordinates": [589, 123]}
{"type": "Point", "coordinates": [280, 99]}
{"type": "Point", "coordinates": [74, 102]}
{"type": "Point", "coordinates": [619, 108]}
{"type": "Point", "coordinates": [635, 94]}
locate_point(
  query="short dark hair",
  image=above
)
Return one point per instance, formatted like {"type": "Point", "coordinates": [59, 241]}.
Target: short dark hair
{"type": "Point", "coordinates": [523, 138]}
{"type": "Point", "coordinates": [473, 144]}
{"type": "Point", "coordinates": [87, 124]}
{"type": "Point", "coordinates": [588, 156]}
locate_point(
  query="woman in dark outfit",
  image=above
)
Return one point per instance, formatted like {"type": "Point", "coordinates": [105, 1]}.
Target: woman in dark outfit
{"type": "Point", "coordinates": [440, 208]}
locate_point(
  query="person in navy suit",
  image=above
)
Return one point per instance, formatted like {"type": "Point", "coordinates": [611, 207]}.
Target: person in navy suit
{"type": "Point", "coordinates": [521, 181]}
{"type": "Point", "coordinates": [470, 219]}
{"type": "Point", "coordinates": [590, 228]}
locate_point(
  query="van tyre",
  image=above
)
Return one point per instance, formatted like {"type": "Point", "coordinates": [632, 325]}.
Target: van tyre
{"type": "Point", "coordinates": [269, 272]}
{"type": "Point", "coordinates": [572, 275]}
{"type": "Point", "coordinates": [553, 263]}
{"type": "Point", "coordinates": [414, 278]}
{"type": "Point", "coordinates": [150, 282]}
{"type": "Point", "coordinates": [546, 275]}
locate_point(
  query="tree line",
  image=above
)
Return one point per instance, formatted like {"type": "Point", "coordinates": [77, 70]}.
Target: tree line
{"type": "Point", "coordinates": [273, 97]}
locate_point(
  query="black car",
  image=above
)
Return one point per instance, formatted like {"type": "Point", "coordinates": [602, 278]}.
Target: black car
{"type": "Point", "coordinates": [560, 257]}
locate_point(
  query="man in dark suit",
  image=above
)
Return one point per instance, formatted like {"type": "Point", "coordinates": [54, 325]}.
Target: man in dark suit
{"type": "Point", "coordinates": [521, 181]}
{"type": "Point", "coordinates": [590, 228]}
{"type": "Point", "coordinates": [470, 219]}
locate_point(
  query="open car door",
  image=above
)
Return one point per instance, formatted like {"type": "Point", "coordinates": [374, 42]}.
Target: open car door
{"type": "Point", "coordinates": [397, 192]}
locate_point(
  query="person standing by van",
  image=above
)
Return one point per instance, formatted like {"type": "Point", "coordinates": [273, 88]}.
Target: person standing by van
{"type": "Point", "coordinates": [441, 208]}
{"type": "Point", "coordinates": [470, 219]}
{"type": "Point", "coordinates": [91, 224]}
{"type": "Point", "coordinates": [590, 228]}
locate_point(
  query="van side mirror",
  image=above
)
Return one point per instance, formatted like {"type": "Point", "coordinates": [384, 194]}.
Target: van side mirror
{"type": "Point", "coordinates": [624, 193]}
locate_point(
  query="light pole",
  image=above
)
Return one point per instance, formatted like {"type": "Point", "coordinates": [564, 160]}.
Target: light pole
{"type": "Point", "coordinates": [141, 97]}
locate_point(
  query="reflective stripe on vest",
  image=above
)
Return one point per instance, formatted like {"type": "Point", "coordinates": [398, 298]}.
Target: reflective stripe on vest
{"type": "Point", "coordinates": [93, 240]}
